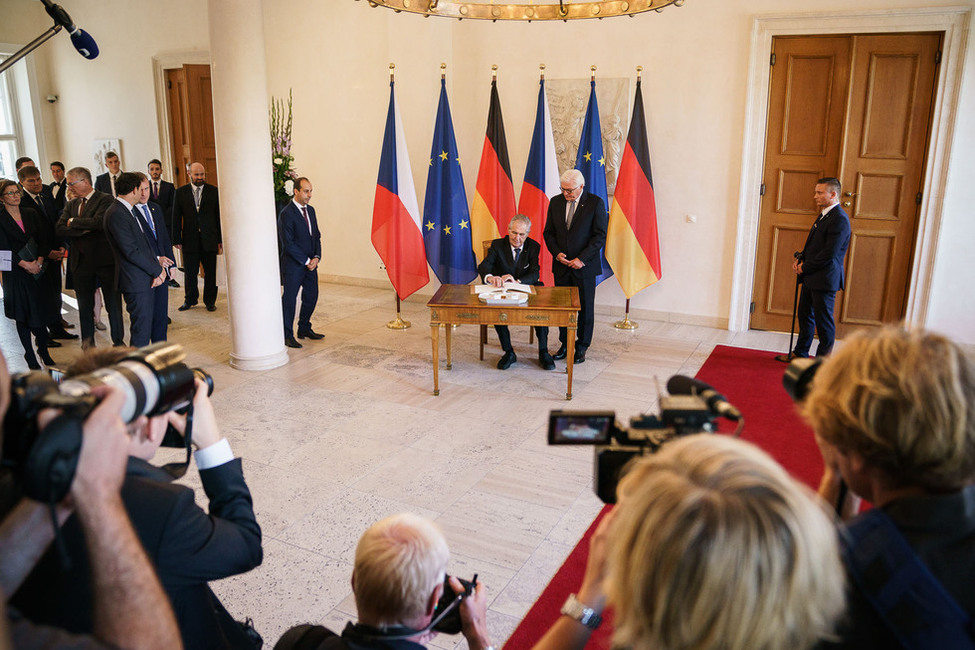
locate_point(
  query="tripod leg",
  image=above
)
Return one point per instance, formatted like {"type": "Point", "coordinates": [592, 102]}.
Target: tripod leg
{"type": "Point", "coordinates": [792, 332]}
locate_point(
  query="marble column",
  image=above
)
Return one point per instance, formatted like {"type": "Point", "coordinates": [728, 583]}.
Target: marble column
{"type": "Point", "coordinates": [240, 120]}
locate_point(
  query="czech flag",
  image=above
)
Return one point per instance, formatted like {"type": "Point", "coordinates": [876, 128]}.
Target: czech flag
{"type": "Point", "coordinates": [494, 197]}
{"type": "Point", "coordinates": [446, 220]}
{"type": "Point", "coordinates": [395, 216]}
{"type": "Point", "coordinates": [632, 244]}
{"type": "Point", "coordinates": [592, 163]}
{"type": "Point", "coordinates": [541, 180]}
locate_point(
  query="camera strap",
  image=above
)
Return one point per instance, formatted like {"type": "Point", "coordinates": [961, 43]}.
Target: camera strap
{"type": "Point", "coordinates": [177, 470]}
{"type": "Point", "coordinates": [402, 632]}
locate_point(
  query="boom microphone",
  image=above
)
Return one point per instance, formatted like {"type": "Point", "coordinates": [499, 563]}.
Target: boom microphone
{"type": "Point", "coordinates": [683, 385]}
{"type": "Point", "coordinates": [82, 40]}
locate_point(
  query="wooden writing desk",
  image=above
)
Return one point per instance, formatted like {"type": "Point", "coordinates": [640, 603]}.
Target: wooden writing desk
{"type": "Point", "coordinates": [456, 304]}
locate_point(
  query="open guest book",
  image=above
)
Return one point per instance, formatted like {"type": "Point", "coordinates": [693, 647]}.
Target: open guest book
{"type": "Point", "coordinates": [511, 293]}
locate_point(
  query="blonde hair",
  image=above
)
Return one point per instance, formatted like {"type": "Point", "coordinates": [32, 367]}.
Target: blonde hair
{"type": "Point", "coordinates": [905, 401]}
{"type": "Point", "coordinates": [398, 563]}
{"type": "Point", "coordinates": [715, 546]}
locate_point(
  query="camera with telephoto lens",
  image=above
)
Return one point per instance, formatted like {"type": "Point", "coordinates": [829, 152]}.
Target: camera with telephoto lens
{"type": "Point", "coordinates": [154, 380]}
{"type": "Point", "coordinates": [615, 446]}
{"type": "Point", "coordinates": [798, 377]}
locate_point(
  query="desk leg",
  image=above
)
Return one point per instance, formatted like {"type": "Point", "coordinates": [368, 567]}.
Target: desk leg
{"type": "Point", "coordinates": [449, 329]}
{"type": "Point", "coordinates": [435, 337]}
{"type": "Point", "coordinates": [569, 358]}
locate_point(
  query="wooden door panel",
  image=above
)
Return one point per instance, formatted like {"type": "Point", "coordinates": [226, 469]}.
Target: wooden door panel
{"type": "Point", "coordinates": [200, 117]}
{"type": "Point", "coordinates": [857, 107]}
{"type": "Point", "coordinates": [807, 99]}
{"type": "Point", "coordinates": [179, 131]}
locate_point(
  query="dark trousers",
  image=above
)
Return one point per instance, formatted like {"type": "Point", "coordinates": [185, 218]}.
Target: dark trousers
{"type": "Point", "coordinates": [147, 315]}
{"type": "Point", "coordinates": [504, 337]}
{"type": "Point", "coordinates": [85, 283]}
{"type": "Point", "coordinates": [587, 318]}
{"type": "Point", "coordinates": [298, 277]}
{"type": "Point", "coordinates": [815, 311]}
{"type": "Point", "coordinates": [52, 290]}
{"type": "Point", "coordinates": [191, 267]}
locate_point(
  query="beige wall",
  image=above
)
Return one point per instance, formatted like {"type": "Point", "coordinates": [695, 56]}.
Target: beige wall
{"type": "Point", "coordinates": [334, 54]}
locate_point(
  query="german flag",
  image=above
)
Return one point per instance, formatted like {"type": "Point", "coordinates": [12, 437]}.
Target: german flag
{"type": "Point", "coordinates": [632, 245]}
{"type": "Point", "coordinates": [494, 196]}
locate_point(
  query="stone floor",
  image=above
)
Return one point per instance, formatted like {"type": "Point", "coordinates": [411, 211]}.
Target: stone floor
{"type": "Point", "coordinates": [349, 432]}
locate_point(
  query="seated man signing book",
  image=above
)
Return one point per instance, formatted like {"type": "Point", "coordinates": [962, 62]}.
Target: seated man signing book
{"type": "Point", "coordinates": [515, 259]}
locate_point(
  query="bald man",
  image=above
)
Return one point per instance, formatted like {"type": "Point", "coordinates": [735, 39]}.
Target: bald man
{"type": "Point", "coordinates": [196, 231]}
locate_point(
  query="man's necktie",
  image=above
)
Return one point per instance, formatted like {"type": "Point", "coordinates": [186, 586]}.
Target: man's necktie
{"type": "Point", "coordinates": [40, 205]}
{"type": "Point", "coordinates": [139, 220]}
{"type": "Point", "coordinates": [517, 257]}
{"type": "Point", "coordinates": [114, 193]}
{"type": "Point", "coordinates": [569, 214]}
{"type": "Point", "coordinates": [148, 218]}
{"type": "Point", "coordinates": [196, 197]}
{"type": "Point", "coordinates": [304, 211]}
{"type": "Point", "coordinates": [155, 190]}
{"type": "Point", "coordinates": [81, 208]}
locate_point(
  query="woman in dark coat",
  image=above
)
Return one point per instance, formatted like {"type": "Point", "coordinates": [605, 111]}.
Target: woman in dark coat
{"type": "Point", "coordinates": [23, 300]}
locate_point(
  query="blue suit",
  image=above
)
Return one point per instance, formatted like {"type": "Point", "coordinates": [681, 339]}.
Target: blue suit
{"type": "Point", "coordinates": [137, 251]}
{"type": "Point", "coordinates": [299, 245]}
{"type": "Point", "coordinates": [822, 276]}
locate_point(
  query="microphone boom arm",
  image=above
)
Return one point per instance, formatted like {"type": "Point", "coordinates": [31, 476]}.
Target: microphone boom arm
{"type": "Point", "coordinates": [30, 47]}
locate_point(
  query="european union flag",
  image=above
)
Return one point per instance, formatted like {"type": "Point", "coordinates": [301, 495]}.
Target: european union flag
{"type": "Point", "coordinates": [591, 162]}
{"type": "Point", "coordinates": [446, 220]}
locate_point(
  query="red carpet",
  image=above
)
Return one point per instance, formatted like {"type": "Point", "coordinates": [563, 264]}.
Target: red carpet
{"type": "Point", "coordinates": [752, 381]}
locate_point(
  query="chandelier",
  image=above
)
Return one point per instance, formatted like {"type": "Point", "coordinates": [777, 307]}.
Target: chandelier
{"type": "Point", "coordinates": [532, 10]}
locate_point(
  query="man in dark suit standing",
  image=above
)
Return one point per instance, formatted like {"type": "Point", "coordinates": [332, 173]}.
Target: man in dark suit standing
{"type": "Point", "coordinates": [58, 186]}
{"type": "Point", "coordinates": [106, 182]}
{"type": "Point", "coordinates": [575, 231]}
{"type": "Point", "coordinates": [91, 258]}
{"type": "Point", "coordinates": [820, 269]}
{"type": "Point", "coordinates": [38, 199]}
{"type": "Point", "coordinates": [301, 251]}
{"type": "Point", "coordinates": [196, 231]}
{"type": "Point", "coordinates": [140, 265]}
{"type": "Point", "coordinates": [515, 259]}
{"type": "Point", "coordinates": [161, 193]}
{"type": "Point", "coordinates": [187, 546]}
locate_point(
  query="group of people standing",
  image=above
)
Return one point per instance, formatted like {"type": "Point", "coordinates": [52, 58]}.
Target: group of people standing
{"type": "Point", "coordinates": [118, 234]}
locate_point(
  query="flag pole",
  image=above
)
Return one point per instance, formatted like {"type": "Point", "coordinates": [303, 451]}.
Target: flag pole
{"type": "Point", "coordinates": [398, 323]}
{"type": "Point", "coordinates": [626, 323]}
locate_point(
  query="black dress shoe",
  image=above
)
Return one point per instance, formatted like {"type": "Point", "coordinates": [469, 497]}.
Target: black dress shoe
{"type": "Point", "coordinates": [61, 334]}
{"type": "Point", "coordinates": [45, 357]}
{"type": "Point", "coordinates": [211, 308]}
{"type": "Point", "coordinates": [66, 325]}
{"type": "Point", "coordinates": [291, 342]}
{"type": "Point", "coordinates": [508, 359]}
{"type": "Point", "coordinates": [173, 283]}
{"type": "Point", "coordinates": [51, 343]}
{"type": "Point", "coordinates": [580, 356]}
{"type": "Point", "coordinates": [545, 360]}
{"type": "Point", "coordinates": [310, 334]}
{"type": "Point", "coordinates": [186, 306]}
{"type": "Point", "coordinates": [560, 353]}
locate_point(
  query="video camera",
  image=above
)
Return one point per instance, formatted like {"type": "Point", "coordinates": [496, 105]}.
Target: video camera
{"type": "Point", "coordinates": [154, 380]}
{"type": "Point", "coordinates": [691, 407]}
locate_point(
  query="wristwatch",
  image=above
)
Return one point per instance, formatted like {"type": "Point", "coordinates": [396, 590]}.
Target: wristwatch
{"type": "Point", "coordinates": [585, 615]}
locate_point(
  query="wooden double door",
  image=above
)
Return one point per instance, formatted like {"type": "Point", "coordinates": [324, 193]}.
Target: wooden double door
{"type": "Point", "coordinates": [190, 102]}
{"type": "Point", "coordinates": [856, 107]}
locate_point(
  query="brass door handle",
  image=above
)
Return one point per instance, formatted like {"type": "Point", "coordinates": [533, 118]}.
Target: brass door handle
{"type": "Point", "coordinates": [847, 204]}
{"type": "Point", "coordinates": [849, 193]}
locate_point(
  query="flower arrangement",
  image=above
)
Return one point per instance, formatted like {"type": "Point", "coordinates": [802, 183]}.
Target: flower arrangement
{"type": "Point", "coordinates": [281, 158]}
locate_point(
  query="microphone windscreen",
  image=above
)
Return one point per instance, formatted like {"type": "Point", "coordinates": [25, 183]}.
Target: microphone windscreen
{"type": "Point", "coordinates": [683, 385]}
{"type": "Point", "coordinates": [84, 43]}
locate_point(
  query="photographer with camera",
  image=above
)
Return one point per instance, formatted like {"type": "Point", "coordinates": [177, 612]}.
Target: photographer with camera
{"type": "Point", "coordinates": [129, 608]}
{"type": "Point", "coordinates": [894, 417]}
{"type": "Point", "coordinates": [398, 583]}
{"type": "Point", "coordinates": [187, 546]}
{"type": "Point", "coordinates": [712, 546]}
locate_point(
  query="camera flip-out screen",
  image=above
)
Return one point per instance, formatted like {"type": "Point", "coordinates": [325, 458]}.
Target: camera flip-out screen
{"type": "Point", "coordinates": [580, 428]}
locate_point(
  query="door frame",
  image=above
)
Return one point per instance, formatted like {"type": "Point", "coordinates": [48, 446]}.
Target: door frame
{"type": "Point", "coordinates": [161, 63]}
{"type": "Point", "coordinates": [954, 22]}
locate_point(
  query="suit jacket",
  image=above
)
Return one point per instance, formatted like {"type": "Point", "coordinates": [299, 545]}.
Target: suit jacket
{"type": "Point", "coordinates": [103, 183]}
{"type": "Point", "coordinates": [187, 546]}
{"type": "Point", "coordinates": [47, 209]}
{"type": "Point", "coordinates": [165, 198]}
{"type": "Point", "coordinates": [196, 230]}
{"type": "Point", "coordinates": [89, 244]}
{"type": "Point", "coordinates": [136, 256]}
{"type": "Point", "coordinates": [583, 240]}
{"type": "Point", "coordinates": [825, 250]}
{"type": "Point", "coordinates": [297, 244]}
{"type": "Point", "coordinates": [500, 261]}
{"type": "Point", "coordinates": [56, 192]}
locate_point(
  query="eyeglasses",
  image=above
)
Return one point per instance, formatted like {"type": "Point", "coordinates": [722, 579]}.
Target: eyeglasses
{"type": "Point", "coordinates": [73, 183]}
{"type": "Point", "coordinates": [12, 193]}
{"type": "Point", "coordinates": [570, 190]}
